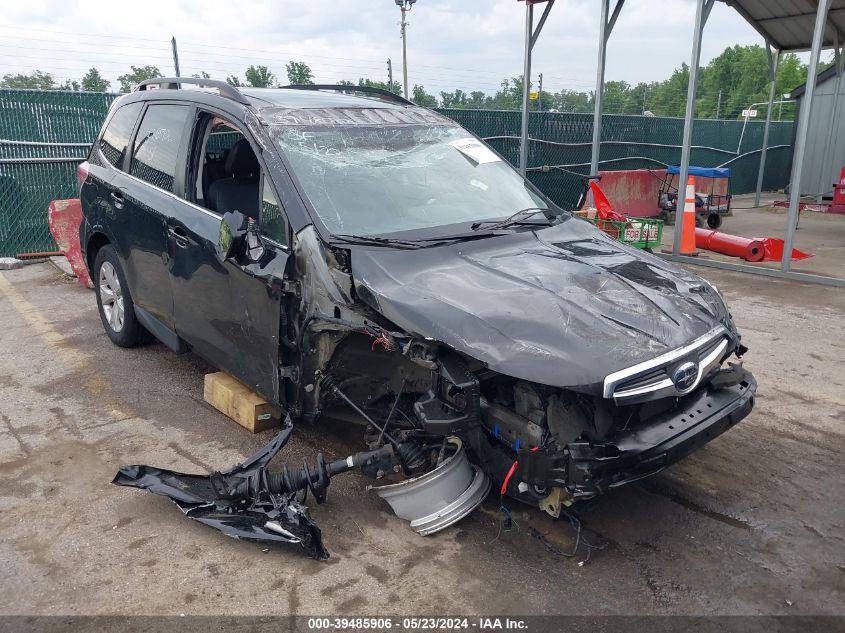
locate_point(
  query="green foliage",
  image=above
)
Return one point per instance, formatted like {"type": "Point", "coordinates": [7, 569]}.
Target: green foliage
{"type": "Point", "coordinates": [395, 87]}
{"type": "Point", "coordinates": [201, 75]}
{"type": "Point", "coordinates": [234, 81]}
{"type": "Point", "coordinates": [93, 81]}
{"type": "Point", "coordinates": [422, 98]}
{"type": "Point", "coordinates": [35, 80]}
{"type": "Point", "coordinates": [138, 74]}
{"type": "Point", "coordinates": [299, 73]}
{"type": "Point", "coordinates": [259, 77]}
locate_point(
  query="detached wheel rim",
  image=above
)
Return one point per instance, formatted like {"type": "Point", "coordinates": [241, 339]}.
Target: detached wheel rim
{"type": "Point", "coordinates": [111, 297]}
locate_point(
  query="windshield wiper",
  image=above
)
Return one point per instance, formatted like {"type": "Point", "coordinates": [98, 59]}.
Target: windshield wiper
{"type": "Point", "coordinates": [371, 240]}
{"type": "Point", "coordinates": [516, 218]}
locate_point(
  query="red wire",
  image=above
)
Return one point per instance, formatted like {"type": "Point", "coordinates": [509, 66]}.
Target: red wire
{"type": "Point", "coordinates": [512, 470]}
{"type": "Point", "coordinates": [507, 480]}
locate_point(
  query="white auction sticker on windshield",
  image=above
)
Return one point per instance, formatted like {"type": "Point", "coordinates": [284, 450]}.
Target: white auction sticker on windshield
{"type": "Point", "coordinates": [475, 150]}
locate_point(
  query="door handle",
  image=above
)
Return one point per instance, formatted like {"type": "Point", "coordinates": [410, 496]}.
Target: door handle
{"type": "Point", "coordinates": [117, 199]}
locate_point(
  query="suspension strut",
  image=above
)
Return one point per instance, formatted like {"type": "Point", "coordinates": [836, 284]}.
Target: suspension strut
{"type": "Point", "coordinates": [316, 478]}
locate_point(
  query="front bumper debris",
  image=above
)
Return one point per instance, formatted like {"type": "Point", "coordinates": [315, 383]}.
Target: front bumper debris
{"type": "Point", "coordinates": [215, 500]}
{"type": "Point", "coordinates": [586, 469]}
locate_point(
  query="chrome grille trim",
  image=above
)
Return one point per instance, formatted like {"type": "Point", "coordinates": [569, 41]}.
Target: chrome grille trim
{"type": "Point", "coordinates": [611, 381]}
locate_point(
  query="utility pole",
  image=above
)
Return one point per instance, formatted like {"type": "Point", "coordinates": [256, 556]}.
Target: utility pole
{"type": "Point", "coordinates": [719, 104]}
{"type": "Point", "coordinates": [404, 7]}
{"type": "Point", "coordinates": [540, 94]}
{"type": "Point", "coordinates": [175, 56]}
{"type": "Point", "coordinates": [389, 74]}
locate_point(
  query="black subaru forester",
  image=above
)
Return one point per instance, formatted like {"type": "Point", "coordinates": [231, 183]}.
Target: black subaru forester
{"type": "Point", "coordinates": [343, 251]}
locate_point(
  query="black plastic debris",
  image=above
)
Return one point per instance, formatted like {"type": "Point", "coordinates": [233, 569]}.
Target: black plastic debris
{"type": "Point", "coordinates": [238, 502]}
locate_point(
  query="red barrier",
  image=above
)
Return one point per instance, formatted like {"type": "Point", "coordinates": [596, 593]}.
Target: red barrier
{"type": "Point", "coordinates": [633, 191]}
{"type": "Point", "coordinates": [750, 249]}
{"type": "Point", "coordinates": [65, 216]}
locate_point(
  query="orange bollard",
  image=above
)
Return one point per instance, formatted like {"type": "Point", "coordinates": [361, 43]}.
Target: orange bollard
{"type": "Point", "coordinates": [688, 220]}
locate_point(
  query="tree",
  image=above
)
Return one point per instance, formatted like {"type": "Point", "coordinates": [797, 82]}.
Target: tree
{"type": "Point", "coordinates": [422, 98]}
{"type": "Point", "coordinates": [299, 73]}
{"type": "Point", "coordinates": [35, 80]}
{"type": "Point", "coordinates": [201, 75]}
{"type": "Point", "coordinates": [71, 84]}
{"type": "Point", "coordinates": [138, 74]}
{"type": "Point", "coordinates": [476, 99]}
{"type": "Point", "coordinates": [572, 101]}
{"type": "Point", "coordinates": [232, 80]}
{"type": "Point", "coordinates": [259, 77]}
{"type": "Point", "coordinates": [93, 81]}
{"type": "Point", "coordinates": [615, 96]}
{"type": "Point", "coordinates": [395, 87]}
{"type": "Point", "coordinates": [457, 99]}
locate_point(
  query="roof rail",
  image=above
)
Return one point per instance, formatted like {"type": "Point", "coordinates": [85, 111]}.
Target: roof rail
{"type": "Point", "coordinates": [391, 96]}
{"type": "Point", "coordinates": [174, 83]}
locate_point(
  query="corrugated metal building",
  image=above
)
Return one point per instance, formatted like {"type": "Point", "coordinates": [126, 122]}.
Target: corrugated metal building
{"type": "Point", "coordinates": [825, 155]}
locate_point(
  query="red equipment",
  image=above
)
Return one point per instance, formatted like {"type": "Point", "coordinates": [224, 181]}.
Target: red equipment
{"type": "Point", "coordinates": [750, 249]}
{"type": "Point", "coordinates": [603, 206]}
{"type": "Point", "coordinates": [65, 216]}
{"type": "Point", "coordinates": [838, 203]}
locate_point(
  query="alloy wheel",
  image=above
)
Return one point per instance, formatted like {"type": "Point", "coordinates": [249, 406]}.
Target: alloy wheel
{"type": "Point", "coordinates": [111, 296]}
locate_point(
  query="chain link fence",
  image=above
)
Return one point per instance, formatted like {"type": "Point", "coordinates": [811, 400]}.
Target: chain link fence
{"type": "Point", "coordinates": [560, 147]}
{"type": "Point", "coordinates": [44, 135]}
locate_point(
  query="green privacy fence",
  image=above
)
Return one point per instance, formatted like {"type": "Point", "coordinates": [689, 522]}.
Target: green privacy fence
{"type": "Point", "coordinates": [561, 143]}
{"type": "Point", "coordinates": [44, 135]}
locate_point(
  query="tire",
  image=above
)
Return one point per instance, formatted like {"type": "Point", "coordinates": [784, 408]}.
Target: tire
{"type": "Point", "coordinates": [714, 221]}
{"type": "Point", "coordinates": [114, 301]}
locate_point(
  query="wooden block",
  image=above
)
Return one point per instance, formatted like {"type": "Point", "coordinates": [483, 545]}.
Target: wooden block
{"type": "Point", "coordinates": [237, 401]}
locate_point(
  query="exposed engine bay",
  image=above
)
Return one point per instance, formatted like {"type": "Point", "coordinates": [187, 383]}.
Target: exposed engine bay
{"type": "Point", "coordinates": [636, 392]}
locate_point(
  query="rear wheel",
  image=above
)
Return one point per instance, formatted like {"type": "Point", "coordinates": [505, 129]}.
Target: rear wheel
{"type": "Point", "coordinates": [117, 310]}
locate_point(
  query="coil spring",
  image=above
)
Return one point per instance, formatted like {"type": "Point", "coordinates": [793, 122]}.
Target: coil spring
{"type": "Point", "coordinates": [288, 480]}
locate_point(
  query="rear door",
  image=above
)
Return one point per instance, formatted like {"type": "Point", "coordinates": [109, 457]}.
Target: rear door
{"type": "Point", "coordinates": [102, 202]}
{"type": "Point", "coordinates": [148, 195]}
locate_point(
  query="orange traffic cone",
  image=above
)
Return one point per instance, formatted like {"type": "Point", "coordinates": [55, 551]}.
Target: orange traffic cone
{"type": "Point", "coordinates": [688, 220]}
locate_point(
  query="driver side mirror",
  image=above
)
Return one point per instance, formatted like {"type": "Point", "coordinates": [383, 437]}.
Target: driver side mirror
{"type": "Point", "coordinates": [239, 237]}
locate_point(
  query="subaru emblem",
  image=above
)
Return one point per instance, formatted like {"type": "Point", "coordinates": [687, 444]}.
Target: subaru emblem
{"type": "Point", "coordinates": [685, 376]}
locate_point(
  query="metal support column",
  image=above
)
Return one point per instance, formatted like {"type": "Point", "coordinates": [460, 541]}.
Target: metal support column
{"type": "Point", "coordinates": [801, 133]}
{"type": "Point", "coordinates": [175, 56]}
{"type": "Point", "coordinates": [774, 60]}
{"type": "Point", "coordinates": [605, 29]}
{"type": "Point", "coordinates": [526, 82]}
{"type": "Point", "coordinates": [531, 35]}
{"type": "Point", "coordinates": [702, 12]}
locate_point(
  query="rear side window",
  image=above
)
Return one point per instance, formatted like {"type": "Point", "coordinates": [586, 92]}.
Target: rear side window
{"type": "Point", "coordinates": [158, 141]}
{"type": "Point", "coordinates": [115, 137]}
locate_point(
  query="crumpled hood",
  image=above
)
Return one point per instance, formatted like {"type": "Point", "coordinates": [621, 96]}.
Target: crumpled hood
{"type": "Point", "coordinates": [562, 306]}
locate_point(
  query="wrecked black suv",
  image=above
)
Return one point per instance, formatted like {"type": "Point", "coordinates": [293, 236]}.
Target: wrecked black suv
{"type": "Point", "coordinates": [347, 253]}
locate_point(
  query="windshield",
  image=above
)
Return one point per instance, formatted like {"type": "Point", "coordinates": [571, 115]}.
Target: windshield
{"type": "Point", "coordinates": [368, 178]}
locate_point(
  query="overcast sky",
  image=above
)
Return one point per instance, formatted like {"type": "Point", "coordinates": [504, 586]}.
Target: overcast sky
{"type": "Point", "coordinates": [467, 44]}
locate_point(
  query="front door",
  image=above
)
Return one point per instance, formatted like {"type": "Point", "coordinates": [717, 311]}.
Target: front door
{"type": "Point", "coordinates": [229, 312]}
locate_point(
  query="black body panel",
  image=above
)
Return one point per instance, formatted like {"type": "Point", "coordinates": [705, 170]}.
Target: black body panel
{"type": "Point", "coordinates": [561, 306]}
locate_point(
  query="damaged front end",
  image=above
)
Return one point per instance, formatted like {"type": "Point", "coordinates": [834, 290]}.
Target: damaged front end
{"type": "Point", "coordinates": [541, 356]}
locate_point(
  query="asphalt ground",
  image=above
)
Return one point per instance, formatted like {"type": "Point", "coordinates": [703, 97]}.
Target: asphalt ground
{"type": "Point", "coordinates": [753, 523]}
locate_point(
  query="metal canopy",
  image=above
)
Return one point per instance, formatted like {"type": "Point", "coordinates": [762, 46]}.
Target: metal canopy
{"type": "Point", "coordinates": [788, 24]}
